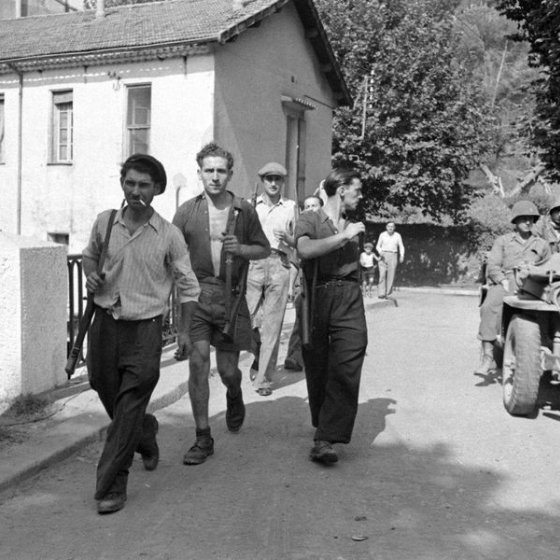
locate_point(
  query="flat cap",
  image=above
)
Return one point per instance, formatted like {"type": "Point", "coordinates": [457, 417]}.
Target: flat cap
{"type": "Point", "coordinates": [158, 171]}
{"type": "Point", "coordinates": [272, 168]}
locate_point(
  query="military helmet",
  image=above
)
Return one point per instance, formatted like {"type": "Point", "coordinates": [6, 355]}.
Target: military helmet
{"type": "Point", "coordinates": [555, 204]}
{"type": "Point", "coordinates": [524, 208]}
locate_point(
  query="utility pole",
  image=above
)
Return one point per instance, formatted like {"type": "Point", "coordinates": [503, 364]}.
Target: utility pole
{"type": "Point", "coordinates": [368, 94]}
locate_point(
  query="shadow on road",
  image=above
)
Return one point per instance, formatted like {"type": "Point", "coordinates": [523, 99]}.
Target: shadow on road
{"type": "Point", "coordinates": [259, 497]}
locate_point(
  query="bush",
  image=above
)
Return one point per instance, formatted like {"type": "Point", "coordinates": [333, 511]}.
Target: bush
{"type": "Point", "coordinates": [488, 218]}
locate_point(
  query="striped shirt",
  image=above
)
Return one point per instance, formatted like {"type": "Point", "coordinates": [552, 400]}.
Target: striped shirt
{"type": "Point", "coordinates": [140, 268]}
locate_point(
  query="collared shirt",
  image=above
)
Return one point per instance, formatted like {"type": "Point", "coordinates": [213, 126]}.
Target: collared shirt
{"type": "Point", "coordinates": [511, 250]}
{"type": "Point", "coordinates": [341, 263]}
{"type": "Point", "coordinates": [193, 221]}
{"type": "Point", "coordinates": [390, 243]}
{"type": "Point", "coordinates": [140, 268]}
{"type": "Point", "coordinates": [279, 216]}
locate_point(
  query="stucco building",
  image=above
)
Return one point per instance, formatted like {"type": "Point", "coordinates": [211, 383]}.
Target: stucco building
{"type": "Point", "coordinates": [80, 91]}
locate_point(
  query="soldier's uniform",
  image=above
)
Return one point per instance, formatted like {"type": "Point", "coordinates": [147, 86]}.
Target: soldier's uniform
{"type": "Point", "coordinates": [509, 251]}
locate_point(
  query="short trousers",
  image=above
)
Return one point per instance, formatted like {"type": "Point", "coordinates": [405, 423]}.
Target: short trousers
{"type": "Point", "coordinates": [368, 273]}
{"type": "Point", "coordinates": [209, 319]}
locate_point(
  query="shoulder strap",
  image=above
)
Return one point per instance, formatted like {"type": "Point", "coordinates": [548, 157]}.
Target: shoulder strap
{"type": "Point", "coordinates": [101, 261]}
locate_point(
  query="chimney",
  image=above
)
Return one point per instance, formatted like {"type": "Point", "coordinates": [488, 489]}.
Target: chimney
{"type": "Point", "coordinates": [238, 4]}
{"type": "Point", "coordinates": [100, 8]}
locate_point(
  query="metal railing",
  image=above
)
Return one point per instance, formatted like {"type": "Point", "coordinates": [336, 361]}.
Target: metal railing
{"type": "Point", "coordinates": [76, 306]}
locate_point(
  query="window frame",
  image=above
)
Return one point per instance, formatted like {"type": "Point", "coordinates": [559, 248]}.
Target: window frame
{"type": "Point", "coordinates": [62, 104]}
{"type": "Point", "coordinates": [2, 128]}
{"type": "Point", "coordinates": [132, 127]}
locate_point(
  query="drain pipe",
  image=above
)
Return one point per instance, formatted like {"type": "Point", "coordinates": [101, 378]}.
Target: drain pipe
{"type": "Point", "coordinates": [19, 146]}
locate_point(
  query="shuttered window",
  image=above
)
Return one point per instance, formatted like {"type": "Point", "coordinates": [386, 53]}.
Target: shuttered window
{"type": "Point", "coordinates": [138, 119]}
{"type": "Point", "coordinates": [62, 134]}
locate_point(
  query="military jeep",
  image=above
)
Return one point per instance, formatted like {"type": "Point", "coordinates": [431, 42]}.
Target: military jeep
{"type": "Point", "coordinates": [530, 338]}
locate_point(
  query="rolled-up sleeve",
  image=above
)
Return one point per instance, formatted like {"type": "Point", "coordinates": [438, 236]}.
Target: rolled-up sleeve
{"type": "Point", "coordinates": [93, 249]}
{"type": "Point", "coordinates": [185, 279]}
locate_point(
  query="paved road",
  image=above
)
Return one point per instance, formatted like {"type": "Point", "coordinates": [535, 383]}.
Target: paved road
{"type": "Point", "coordinates": [436, 470]}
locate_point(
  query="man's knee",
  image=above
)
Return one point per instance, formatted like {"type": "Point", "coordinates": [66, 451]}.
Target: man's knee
{"type": "Point", "coordinates": [199, 362]}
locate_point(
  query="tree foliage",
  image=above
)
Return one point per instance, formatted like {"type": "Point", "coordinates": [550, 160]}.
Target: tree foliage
{"type": "Point", "coordinates": [538, 23]}
{"type": "Point", "coordinates": [426, 126]}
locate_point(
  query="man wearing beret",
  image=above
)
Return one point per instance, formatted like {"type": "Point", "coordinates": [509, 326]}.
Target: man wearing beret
{"type": "Point", "coordinates": [143, 258]}
{"type": "Point", "coordinates": [268, 281]}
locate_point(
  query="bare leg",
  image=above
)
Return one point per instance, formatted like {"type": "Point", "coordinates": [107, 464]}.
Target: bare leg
{"type": "Point", "coordinates": [199, 390]}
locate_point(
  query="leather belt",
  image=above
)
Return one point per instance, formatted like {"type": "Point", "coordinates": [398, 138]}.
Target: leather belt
{"type": "Point", "coordinates": [335, 282]}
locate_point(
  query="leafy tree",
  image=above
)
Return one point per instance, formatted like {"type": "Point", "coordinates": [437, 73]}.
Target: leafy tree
{"type": "Point", "coordinates": [426, 126]}
{"type": "Point", "coordinates": [538, 23]}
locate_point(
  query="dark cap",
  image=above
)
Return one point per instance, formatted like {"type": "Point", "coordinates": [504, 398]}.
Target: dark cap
{"type": "Point", "coordinates": [272, 168]}
{"type": "Point", "coordinates": [157, 169]}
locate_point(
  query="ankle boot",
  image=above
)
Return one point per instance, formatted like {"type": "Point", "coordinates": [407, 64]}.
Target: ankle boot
{"type": "Point", "coordinates": [486, 358]}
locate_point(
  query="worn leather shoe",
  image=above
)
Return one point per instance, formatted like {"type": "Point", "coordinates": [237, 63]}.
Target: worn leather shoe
{"type": "Point", "coordinates": [202, 449]}
{"type": "Point", "coordinates": [323, 452]}
{"type": "Point", "coordinates": [235, 413]}
{"type": "Point", "coordinates": [112, 502]}
{"type": "Point", "coordinates": [150, 453]}
{"type": "Point", "coordinates": [293, 366]}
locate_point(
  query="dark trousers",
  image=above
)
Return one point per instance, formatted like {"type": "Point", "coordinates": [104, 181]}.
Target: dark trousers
{"type": "Point", "coordinates": [293, 353]}
{"type": "Point", "coordinates": [333, 362]}
{"type": "Point", "coordinates": [123, 367]}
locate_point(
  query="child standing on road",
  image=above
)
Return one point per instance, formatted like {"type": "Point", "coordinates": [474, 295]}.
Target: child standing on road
{"type": "Point", "coordinates": [367, 264]}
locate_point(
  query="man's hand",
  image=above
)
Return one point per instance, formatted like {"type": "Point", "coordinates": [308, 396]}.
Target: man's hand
{"type": "Point", "coordinates": [232, 245]}
{"type": "Point", "coordinates": [94, 282]}
{"type": "Point", "coordinates": [353, 229]}
{"type": "Point", "coordinates": [184, 347]}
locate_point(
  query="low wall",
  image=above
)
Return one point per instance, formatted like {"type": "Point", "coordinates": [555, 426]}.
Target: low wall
{"type": "Point", "coordinates": [33, 301]}
{"type": "Point", "coordinates": [434, 255]}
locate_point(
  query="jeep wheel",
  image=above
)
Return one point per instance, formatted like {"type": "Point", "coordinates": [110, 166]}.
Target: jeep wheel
{"type": "Point", "coordinates": [521, 372]}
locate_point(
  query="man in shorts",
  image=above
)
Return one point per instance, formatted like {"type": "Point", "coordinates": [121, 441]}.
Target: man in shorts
{"type": "Point", "coordinates": [223, 233]}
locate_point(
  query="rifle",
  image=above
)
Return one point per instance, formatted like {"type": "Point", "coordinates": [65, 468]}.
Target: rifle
{"type": "Point", "coordinates": [90, 307]}
{"type": "Point", "coordinates": [229, 275]}
{"type": "Point", "coordinates": [232, 310]}
{"type": "Point", "coordinates": [308, 304]}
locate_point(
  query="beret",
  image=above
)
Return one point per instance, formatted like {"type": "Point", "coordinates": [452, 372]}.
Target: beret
{"type": "Point", "coordinates": [156, 166]}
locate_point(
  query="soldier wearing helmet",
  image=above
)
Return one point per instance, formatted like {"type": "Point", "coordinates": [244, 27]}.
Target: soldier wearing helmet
{"type": "Point", "coordinates": [549, 227]}
{"type": "Point", "coordinates": [521, 246]}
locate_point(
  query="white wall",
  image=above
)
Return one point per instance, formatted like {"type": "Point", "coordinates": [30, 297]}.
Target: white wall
{"type": "Point", "coordinates": [66, 198]}
{"type": "Point", "coordinates": [250, 120]}
{"type": "Point", "coordinates": [32, 316]}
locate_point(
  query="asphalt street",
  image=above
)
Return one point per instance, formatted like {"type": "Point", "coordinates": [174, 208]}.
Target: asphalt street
{"type": "Point", "coordinates": [436, 470]}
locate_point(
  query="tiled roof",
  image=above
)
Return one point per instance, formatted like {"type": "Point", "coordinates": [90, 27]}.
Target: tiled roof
{"type": "Point", "coordinates": [75, 35]}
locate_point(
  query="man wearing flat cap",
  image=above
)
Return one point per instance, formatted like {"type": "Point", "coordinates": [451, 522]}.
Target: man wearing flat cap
{"type": "Point", "coordinates": [143, 257]}
{"type": "Point", "coordinates": [268, 280]}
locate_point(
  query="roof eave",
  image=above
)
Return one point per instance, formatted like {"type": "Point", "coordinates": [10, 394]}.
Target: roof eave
{"type": "Point", "coordinates": [104, 56]}
{"type": "Point", "coordinates": [316, 35]}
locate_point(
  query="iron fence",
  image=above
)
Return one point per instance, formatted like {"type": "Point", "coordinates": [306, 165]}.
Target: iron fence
{"type": "Point", "coordinates": [77, 303]}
